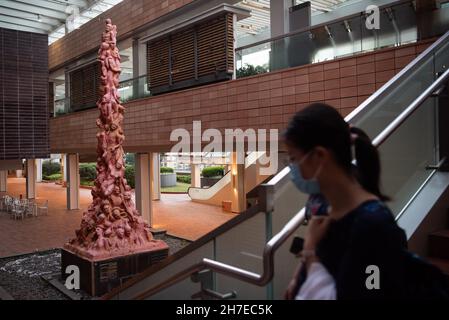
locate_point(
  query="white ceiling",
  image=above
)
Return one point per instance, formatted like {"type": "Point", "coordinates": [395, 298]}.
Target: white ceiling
{"type": "Point", "coordinates": [260, 17]}
{"type": "Point", "coordinates": [56, 17]}
{"type": "Point", "coordinates": [50, 16]}
{"type": "Point", "coordinates": [260, 14]}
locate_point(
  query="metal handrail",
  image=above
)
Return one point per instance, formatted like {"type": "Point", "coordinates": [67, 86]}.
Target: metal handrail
{"type": "Point", "coordinates": [134, 79]}
{"type": "Point", "coordinates": [396, 123]}
{"type": "Point", "coordinates": [235, 272]}
{"type": "Point", "coordinates": [205, 188]}
{"type": "Point", "coordinates": [275, 242]}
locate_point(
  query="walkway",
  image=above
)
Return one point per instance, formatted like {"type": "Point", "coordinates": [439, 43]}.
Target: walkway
{"type": "Point", "coordinates": [175, 213]}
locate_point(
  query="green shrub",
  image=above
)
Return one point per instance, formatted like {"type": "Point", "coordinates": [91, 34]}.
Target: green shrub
{"type": "Point", "coordinates": [184, 178]}
{"type": "Point", "coordinates": [129, 176]}
{"type": "Point", "coordinates": [49, 168]}
{"type": "Point", "coordinates": [249, 70]}
{"type": "Point", "coordinates": [167, 170]}
{"type": "Point", "coordinates": [88, 171]}
{"type": "Point", "coordinates": [53, 177]}
{"type": "Point", "coordinates": [87, 183]}
{"type": "Point", "coordinates": [60, 112]}
{"type": "Point", "coordinates": [216, 171]}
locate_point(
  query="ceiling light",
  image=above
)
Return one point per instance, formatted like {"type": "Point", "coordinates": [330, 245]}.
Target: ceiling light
{"type": "Point", "coordinates": [347, 26]}
{"type": "Point", "coordinates": [328, 31]}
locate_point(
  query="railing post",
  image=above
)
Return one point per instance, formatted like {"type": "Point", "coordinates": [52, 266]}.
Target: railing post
{"type": "Point", "coordinates": [443, 129]}
{"type": "Point", "coordinates": [266, 197]}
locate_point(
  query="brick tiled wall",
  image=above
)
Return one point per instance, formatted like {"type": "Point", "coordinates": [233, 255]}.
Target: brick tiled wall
{"type": "Point", "coordinates": [127, 15]}
{"type": "Point", "coordinates": [262, 101]}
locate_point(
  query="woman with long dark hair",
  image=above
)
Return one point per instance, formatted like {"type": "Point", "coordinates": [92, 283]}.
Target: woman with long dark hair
{"type": "Point", "coordinates": [358, 244]}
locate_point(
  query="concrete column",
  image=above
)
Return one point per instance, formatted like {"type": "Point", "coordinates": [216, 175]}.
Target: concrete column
{"type": "Point", "coordinates": [156, 175]}
{"type": "Point", "coordinates": [195, 173]}
{"type": "Point", "coordinates": [63, 163]}
{"type": "Point", "coordinates": [68, 92]}
{"type": "Point", "coordinates": [427, 18]}
{"type": "Point", "coordinates": [139, 66]}
{"type": "Point", "coordinates": [31, 179]}
{"type": "Point", "coordinates": [234, 43]}
{"type": "Point", "coordinates": [238, 185]}
{"type": "Point", "coordinates": [425, 5]}
{"type": "Point", "coordinates": [279, 20]}
{"type": "Point", "coordinates": [73, 181]}
{"type": "Point", "coordinates": [4, 181]}
{"type": "Point", "coordinates": [279, 14]}
{"type": "Point", "coordinates": [143, 186]}
{"type": "Point", "coordinates": [39, 170]}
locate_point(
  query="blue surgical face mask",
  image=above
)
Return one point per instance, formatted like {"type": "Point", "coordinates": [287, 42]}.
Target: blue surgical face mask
{"type": "Point", "coordinates": [307, 186]}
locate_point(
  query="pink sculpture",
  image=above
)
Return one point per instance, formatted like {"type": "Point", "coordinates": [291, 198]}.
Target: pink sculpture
{"type": "Point", "coordinates": [111, 226]}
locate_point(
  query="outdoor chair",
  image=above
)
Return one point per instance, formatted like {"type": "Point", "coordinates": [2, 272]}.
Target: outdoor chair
{"type": "Point", "coordinates": [3, 203]}
{"type": "Point", "coordinates": [18, 211]}
{"type": "Point", "coordinates": [8, 203]}
{"type": "Point", "coordinates": [43, 209]}
{"type": "Point", "coordinates": [31, 210]}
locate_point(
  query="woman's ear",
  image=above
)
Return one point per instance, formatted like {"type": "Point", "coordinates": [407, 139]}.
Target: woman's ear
{"type": "Point", "coordinates": [321, 153]}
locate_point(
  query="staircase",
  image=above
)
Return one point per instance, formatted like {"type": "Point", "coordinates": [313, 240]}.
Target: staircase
{"type": "Point", "coordinates": [438, 250]}
{"type": "Point", "coordinates": [249, 255]}
{"type": "Point", "coordinates": [222, 189]}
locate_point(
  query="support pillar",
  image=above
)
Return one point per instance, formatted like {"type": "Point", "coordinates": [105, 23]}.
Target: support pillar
{"type": "Point", "coordinates": [156, 175]}
{"type": "Point", "coordinates": [73, 181]}
{"type": "Point", "coordinates": [139, 67]}
{"type": "Point", "coordinates": [39, 170]}
{"type": "Point", "coordinates": [31, 179]}
{"type": "Point", "coordinates": [279, 21]}
{"type": "Point", "coordinates": [279, 17]}
{"type": "Point", "coordinates": [3, 180]}
{"type": "Point", "coordinates": [238, 185]}
{"type": "Point", "coordinates": [426, 18]}
{"type": "Point", "coordinates": [443, 130]}
{"type": "Point", "coordinates": [143, 187]}
{"type": "Point", "coordinates": [63, 167]}
{"type": "Point", "coordinates": [195, 173]}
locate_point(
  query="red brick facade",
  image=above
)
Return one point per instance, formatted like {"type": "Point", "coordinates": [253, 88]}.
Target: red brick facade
{"type": "Point", "coordinates": [262, 101]}
{"type": "Point", "coordinates": [127, 15]}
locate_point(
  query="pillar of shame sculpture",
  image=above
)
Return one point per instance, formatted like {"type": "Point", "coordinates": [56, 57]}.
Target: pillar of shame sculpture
{"type": "Point", "coordinates": [111, 226]}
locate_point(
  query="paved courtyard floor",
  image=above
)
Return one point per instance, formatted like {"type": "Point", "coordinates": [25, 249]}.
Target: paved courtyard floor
{"type": "Point", "coordinates": [174, 213]}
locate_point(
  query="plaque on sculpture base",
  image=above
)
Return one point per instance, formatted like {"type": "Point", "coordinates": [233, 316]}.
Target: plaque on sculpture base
{"type": "Point", "coordinates": [98, 277]}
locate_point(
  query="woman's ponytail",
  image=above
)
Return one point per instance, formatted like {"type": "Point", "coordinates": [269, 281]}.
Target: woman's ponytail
{"type": "Point", "coordinates": [322, 125]}
{"type": "Point", "coordinates": [368, 163]}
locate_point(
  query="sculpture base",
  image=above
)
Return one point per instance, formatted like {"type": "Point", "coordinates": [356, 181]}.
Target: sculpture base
{"type": "Point", "coordinates": [98, 277]}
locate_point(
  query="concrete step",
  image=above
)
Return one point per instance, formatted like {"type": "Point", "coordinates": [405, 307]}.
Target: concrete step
{"type": "Point", "coordinates": [158, 232]}
{"type": "Point", "coordinates": [439, 244]}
